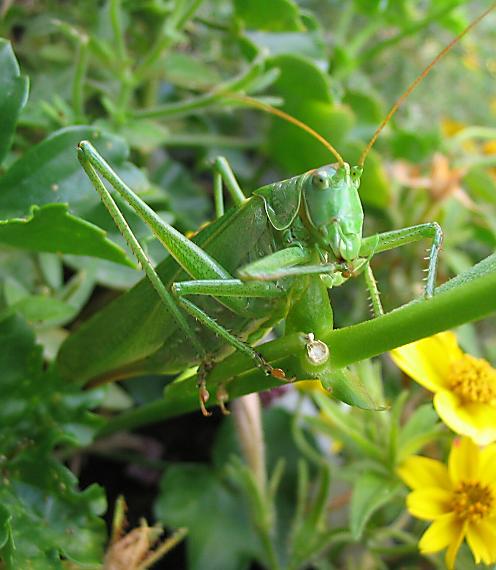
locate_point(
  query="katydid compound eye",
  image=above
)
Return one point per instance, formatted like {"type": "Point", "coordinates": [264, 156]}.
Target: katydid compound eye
{"type": "Point", "coordinates": [356, 172]}
{"type": "Point", "coordinates": [320, 180]}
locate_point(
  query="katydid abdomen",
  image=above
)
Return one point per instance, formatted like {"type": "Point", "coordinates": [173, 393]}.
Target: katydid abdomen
{"type": "Point", "coordinates": [141, 335]}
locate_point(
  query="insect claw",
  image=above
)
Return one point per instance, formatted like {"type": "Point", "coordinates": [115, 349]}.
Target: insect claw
{"type": "Point", "coordinates": [222, 397]}
{"type": "Point", "coordinates": [279, 374]}
{"type": "Point", "coordinates": [204, 397]}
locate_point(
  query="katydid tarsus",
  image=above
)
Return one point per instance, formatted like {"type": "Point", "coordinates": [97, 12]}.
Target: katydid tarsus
{"type": "Point", "coordinates": [271, 257]}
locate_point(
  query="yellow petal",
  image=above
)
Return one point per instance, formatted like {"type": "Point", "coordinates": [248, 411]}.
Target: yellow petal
{"type": "Point", "coordinates": [487, 472]}
{"type": "Point", "coordinates": [477, 421]}
{"type": "Point", "coordinates": [481, 538]}
{"type": "Point", "coordinates": [454, 547]}
{"type": "Point", "coordinates": [463, 463]}
{"type": "Point", "coordinates": [428, 361]}
{"type": "Point", "coordinates": [310, 386]}
{"type": "Point", "coordinates": [442, 532]}
{"type": "Point", "coordinates": [423, 472]}
{"type": "Point", "coordinates": [429, 503]}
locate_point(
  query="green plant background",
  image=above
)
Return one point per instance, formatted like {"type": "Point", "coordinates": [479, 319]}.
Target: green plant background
{"type": "Point", "coordinates": [144, 81]}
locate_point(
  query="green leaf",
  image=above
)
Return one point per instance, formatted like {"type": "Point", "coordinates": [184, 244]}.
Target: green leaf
{"type": "Point", "coordinates": [347, 387]}
{"type": "Point", "coordinates": [44, 517]}
{"type": "Point", "coordinates": [144, 134]}
{"type": "Point", "coordinates": [422, 426]}
{"type": "Point", "coordinates": [186, 197]}
{"type": "Point", "coordinates": [481, 184]}
{"type": "Point", "coordinates": [49, 172]}
{"type": "Point", "coordinates": [5, 528]}
{"type": "Point", "coordinates": [52, 228]}
{"type": "Point", "coordinates": [294, 149]}
{"type": "Point", "coordinates": [368, 107]}
{"type": "Point", "coordinates": [189, 493]}
{"type": "Point", "coordinates": [190, 72]}
{"type": "Point", "coordinates": [13, 95]}
{"type": "Point", "coordinates": [415, 146]}
{"type": "Point", "coordinates": [41, 308]}
{"type": "Point", "coordinates": [309, 43]}
{"type": "Point", "coordinates": [275, 16]}
{"type": "Point", "coordinates": [370, 493]}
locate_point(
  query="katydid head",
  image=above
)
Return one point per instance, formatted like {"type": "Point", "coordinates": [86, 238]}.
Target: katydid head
{"type": "Point", "coordinates": [333, 209]}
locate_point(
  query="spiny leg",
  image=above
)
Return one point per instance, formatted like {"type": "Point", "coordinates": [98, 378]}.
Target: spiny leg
{"type": "Point", "coordinates": [375, 299]}
{"type": "Point", "coordinates": [231, 339]}
{"type": "Point", "coordinates": [404, 236]}
{"type": "Point", "coordinates": [225, 288]}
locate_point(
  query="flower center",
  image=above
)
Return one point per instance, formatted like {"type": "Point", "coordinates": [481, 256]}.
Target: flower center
{"type": "Point", "coordinates": [474, 380]}
{"type": "Point", "coordinates": [472, 501]}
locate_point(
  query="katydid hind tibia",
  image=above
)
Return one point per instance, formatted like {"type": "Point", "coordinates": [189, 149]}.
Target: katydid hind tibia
{"type": "Point", "coordinates": [272, 257]}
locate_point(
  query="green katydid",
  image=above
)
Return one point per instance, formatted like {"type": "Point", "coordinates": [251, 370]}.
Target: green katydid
{"type": "Point", "coordinates": [299, 237]}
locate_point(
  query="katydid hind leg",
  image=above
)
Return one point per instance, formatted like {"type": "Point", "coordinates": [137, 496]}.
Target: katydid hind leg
{"type": "Point", "coordinates": [210, 323]}
{"type": "Point", "coordinates": [121, 223]}
{"type": "Point", "coordinates": [192, 258]}
{"type": "Point", "coordinates": [165, 295]}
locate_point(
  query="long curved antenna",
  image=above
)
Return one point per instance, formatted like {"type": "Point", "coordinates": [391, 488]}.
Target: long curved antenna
{"type": "Point", "coordinates": [414, 84]}
{"type": "Point", "coordinates": [289, 118]}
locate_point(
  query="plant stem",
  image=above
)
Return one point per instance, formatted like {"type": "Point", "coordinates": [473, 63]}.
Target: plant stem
{"type": "Point", "coordinates": [206, 140]}
{"type": "Point", "coordinates": [79, 76]}
{"type": "Point", "coordinates": [181, 108]}
{"type": "Point", "coordinates": [468, 297]}
{"type": "Point", "coordinates": [247, 415]}
{"type": "Point", "coordinates": [168, 35]}
{"type": "Point", "coordinates": [116, 22]}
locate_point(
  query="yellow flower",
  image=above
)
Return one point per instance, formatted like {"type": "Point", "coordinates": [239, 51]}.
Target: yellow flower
{"type": "Point", "coordinates": [464, 386]}
{"type": "Point", "coordinates": [459, 498]}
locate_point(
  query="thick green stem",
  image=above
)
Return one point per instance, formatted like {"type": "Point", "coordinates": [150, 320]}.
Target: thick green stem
{"type": "Point", "coordinates": [468, 297]}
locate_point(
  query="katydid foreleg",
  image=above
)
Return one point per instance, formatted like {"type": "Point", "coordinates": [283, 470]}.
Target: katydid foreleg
{"type": "Point", "coordinates": [404, 236]}
{"type": "Point", "coordinates": [374, 296]}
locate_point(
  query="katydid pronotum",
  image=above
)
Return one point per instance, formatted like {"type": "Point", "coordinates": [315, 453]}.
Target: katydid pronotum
{"type": "Point", "coordinates": [271, 257]}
